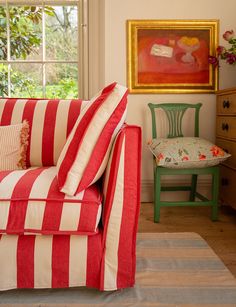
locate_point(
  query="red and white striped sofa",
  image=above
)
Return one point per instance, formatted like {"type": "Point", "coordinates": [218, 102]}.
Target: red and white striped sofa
{"type": "Point", "coordinates": [49, 239]}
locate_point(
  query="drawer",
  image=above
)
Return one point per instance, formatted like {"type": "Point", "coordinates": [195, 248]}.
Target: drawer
{"type": "Point", "coordinates": [230, 147]}
{"type": "Point", "coordinates": [226, 127]}
{"type": "Point", "coordinates": [226, 104]}
{"type": "Point", "coordinates": [227, 186]}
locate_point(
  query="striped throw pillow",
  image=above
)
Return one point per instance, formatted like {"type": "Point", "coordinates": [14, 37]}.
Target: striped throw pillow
{"type": "Point", "coordinates": [85, 154]}
{"type": "Point", "coordinates": [13, 146]}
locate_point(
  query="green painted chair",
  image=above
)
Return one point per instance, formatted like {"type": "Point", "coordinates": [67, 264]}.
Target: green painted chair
{"type": "Point", "coordinates": [175, 113]}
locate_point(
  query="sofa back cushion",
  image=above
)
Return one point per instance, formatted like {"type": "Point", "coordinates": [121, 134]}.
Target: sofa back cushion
{"type": "Point", "coordinates": [86, 152]}
{"type": "Point", "coordinates": [50, 122]}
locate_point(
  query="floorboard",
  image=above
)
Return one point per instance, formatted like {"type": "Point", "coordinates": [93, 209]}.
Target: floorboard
{"type": "Point", "coordinates": [220, 235]}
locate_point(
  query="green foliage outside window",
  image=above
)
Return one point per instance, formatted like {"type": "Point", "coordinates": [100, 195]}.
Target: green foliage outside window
{"type": "Point", "coordinates": [26, 41]}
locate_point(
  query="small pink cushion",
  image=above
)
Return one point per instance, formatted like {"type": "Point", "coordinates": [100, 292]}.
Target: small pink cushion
{"type": "Point", "coordinates": [13, 146]}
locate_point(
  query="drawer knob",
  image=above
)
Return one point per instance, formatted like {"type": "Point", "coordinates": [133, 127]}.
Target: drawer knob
{"type": "Point", "coordinates": [225, 126]}
{"type": "Point", "coordinates": [224, 181]}
{"type": "Point", "coordinates": [226, 104]}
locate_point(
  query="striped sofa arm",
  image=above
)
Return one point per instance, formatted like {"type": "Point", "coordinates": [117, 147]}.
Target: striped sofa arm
{"type": "Point", "coordinates": [121, 188]}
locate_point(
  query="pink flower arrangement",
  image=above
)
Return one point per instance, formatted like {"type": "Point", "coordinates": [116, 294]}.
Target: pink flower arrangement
{"type": "Point", "coordinates": [229, 55]}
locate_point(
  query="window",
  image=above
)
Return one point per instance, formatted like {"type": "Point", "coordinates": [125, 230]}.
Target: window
{"type": "Point", "coordinates": [40, 49]}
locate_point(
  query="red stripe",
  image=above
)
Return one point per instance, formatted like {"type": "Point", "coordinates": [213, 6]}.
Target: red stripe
{"type": "Point", "coordinates": [17, 211]}
{"type": "Point", "coordinates": [7, 112]}
{"type": "Point", "coordinates": [73, 114]}
{"type": "Point", "coordinates": [28, 114]}
{"type": "Point", "coordinates": [89, 212]}
{"type": "Point", "coordinates": [94, 256]}
{"type": "Point", "coordinates": [60, 261]}
{"type": "Point", "coordinates": [112, 181]}
{"type": "Point", "coordinates": [131, 204]}
{"type": "Point", "coordinates": [78, 136]}
{"type": "Point", "coordinates": [48, 133]}
{"type": "Point", "coordinates": [4, 174]}
{"type": "Point", "coordinates": [53, 211]}
{"type": "Point", "coordinates": [102, 145]}
{"type": "Point", "coordinates": [25, 261]}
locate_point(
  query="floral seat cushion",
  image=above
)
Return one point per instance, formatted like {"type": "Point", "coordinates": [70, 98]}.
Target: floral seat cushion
{"type": "Point", "coordinates": [186, 152]}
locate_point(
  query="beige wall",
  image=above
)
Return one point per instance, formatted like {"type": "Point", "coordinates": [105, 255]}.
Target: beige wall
{"type": "Point", "coordinates": [117, 12]}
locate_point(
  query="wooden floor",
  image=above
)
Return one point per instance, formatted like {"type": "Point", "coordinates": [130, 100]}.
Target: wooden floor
{"type": "Point", "coordinates": [220, 235]}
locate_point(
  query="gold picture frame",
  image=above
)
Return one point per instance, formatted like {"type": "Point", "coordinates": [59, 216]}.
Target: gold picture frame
{"type": "Point", "coordinates": [171, 56]}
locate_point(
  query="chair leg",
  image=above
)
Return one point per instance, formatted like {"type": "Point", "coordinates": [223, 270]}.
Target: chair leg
{"type": "Point", "coordinates": [157, 195]}
{"type": "Point", "coordinates": [193, 187]}
{"type": "Point", "coordinates": [215, 193]}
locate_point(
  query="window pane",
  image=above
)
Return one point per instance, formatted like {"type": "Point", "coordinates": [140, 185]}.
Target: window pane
{"type": "Point", "coordinates": [3, 33]}
{"type": "Point", "coordinates": [3, 80]}
{"type": "Point", "coordinates": [62, 33]}
{"type": "Point", "coordinates": [26, 80]}
{"type": "Point", "coordinates": [62, 81]}
{"type": "Point", "coordinates": [25, 32]}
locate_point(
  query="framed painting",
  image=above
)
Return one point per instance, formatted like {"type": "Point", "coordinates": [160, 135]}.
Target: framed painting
{"type": "Point", "coordinates": [171, 56]}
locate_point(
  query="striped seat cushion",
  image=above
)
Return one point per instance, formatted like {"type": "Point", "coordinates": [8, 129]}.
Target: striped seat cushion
{"type": "Point", "coordinates": [30, 202]}
{"type": "Point", "coordinates": [50, 123]}
{"type": "Point", "coordinates": [86, 152]}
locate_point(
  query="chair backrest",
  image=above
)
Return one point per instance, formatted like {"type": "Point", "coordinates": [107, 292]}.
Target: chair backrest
{"type": "Point", "coordinates": [175, 113]}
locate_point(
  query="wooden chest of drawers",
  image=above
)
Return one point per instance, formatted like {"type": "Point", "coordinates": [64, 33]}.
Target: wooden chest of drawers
{"type": "Point", "coordinates": [226, 139]}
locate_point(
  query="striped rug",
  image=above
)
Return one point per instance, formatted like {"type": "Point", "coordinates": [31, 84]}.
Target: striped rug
{"type": "Point", "coordinates": [173, 270]}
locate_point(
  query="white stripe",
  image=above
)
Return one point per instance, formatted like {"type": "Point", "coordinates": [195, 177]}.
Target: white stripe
{"type": "Point", "coordinates": [71, 213]}
{"type": "Point", "coordinates": [8, 262]}
{"type": "Point", "coordinates": [90, 138]}
{"type": "Point", "coordinates": [60, 128]}
{"type": "Point", "coordinates": [107, 173]}
{"type": "Point", "coordinates": [99, 213]}
{"type": "Point", "coordinates": [7, 186]}
{"type": "Point", "coordinates": [84, 103]}
{"type": "Point", "coordinates": [78, 260]}
{"type": "Point", "coordinates": [43, 262]}
{"type": "Point", "coordinates": [40, 188]}
{"type": "Point", "coordinates": [2, 105]}
{"type": "Point", "coordinates": [113, 231]}
{"type": "Point", "coordinates": [37, 133]}
{"type": "Point", "coordinates": [106, 157]}
{"type": "Point", "coordinates": [18, 111]}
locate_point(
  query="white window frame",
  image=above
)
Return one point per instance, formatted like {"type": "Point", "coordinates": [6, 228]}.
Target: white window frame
{"type": "Point", "coordinates": [83, 58]}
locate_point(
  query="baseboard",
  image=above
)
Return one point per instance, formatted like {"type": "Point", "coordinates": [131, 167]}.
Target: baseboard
{"type": "Point", "coordinates": [204, 187]}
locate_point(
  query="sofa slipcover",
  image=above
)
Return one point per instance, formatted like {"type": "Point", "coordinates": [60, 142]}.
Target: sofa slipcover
{"type": "Point", "coordinates": [103, 258]}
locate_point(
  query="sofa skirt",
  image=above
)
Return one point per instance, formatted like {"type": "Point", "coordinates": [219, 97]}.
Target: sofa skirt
{"type": "Point", "coordinates": [47, 261]}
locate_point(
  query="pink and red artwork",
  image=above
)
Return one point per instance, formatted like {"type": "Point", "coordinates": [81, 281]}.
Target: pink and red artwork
{"type": "Point", "coordinates": [171, 57]}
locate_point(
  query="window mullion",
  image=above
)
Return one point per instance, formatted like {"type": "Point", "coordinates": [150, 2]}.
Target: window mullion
{"type": "Point", "coordinates": [8, 33]}
{"type": "Point", "coordinates": [83, 48]}
{"type": "Point", "coordinates": [82, 60]}
{"type": "Point", "coordinates": [44, 54]}
{"type": "Point", "coordinates": [8, 51]}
